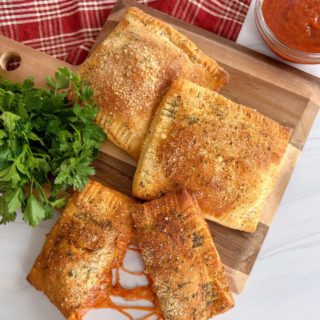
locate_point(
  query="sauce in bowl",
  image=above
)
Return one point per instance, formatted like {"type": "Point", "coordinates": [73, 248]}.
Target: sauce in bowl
{"type": "Point", "coordinates": [294, 22]}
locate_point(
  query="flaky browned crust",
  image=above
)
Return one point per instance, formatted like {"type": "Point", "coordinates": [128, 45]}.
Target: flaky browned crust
{"type": "Point", "coordinates": [181, 259]}
{"type": "Point", "coordinates": [133, 68]}
{"type": "Point", "coordinates": [89, 239]}
{"type": "Point", "coordinates": [226, 154]}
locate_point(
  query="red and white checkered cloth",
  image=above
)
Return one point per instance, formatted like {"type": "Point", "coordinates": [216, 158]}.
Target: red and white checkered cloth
{"type": "Point", "coordinates": [67, 29]}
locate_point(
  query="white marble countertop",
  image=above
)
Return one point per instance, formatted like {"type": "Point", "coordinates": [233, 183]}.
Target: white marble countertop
{"type": "Point", "coordinates": [284, 284]}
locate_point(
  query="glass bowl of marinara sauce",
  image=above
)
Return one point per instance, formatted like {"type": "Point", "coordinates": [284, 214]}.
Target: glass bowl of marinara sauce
{"type": "Point", "coordinates": [291, 28]}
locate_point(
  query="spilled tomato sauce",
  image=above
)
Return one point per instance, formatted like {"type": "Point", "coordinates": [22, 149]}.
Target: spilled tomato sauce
{"type": "Point", "coordinates": [100, 296]}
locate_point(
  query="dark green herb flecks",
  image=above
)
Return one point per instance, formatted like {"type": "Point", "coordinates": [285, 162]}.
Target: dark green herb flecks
{"type": "Point", "coordinates": [193, 58]}
{"type": "Point", "coordinates": [171, 111]}
{"type": "Point", "coordinates": [71, 274]}
{"type": "Point", "coordinates": [209, 293]}
{"type": "Point", "coordinates": [47, 136]}
{"type": "Point", "coordinates": [192, 119]}
{"type": "Point", "coordinates": [197, 240]}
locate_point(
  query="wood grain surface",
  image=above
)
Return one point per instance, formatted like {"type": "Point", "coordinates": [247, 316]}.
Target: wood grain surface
{"type": "Point", "coordinates": [287, 95]}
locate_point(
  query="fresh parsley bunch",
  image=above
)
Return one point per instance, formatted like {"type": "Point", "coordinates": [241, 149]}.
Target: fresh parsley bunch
{"type": "Point", "coordinates": [47, 137]}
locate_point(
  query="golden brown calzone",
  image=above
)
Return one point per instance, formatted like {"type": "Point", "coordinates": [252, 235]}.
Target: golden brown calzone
{"type": "Point", "coordinates": [180, 257]}
{"type": "Point", "coordinates": [89, 239]}
{"type": "Point", "coordinates": [133, 68]}
{"type": "Point", "coordinates": [226, 154]}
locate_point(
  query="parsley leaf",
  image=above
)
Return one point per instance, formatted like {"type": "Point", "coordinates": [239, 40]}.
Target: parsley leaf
{"type": "Point", "coordinates": [9, 120]}
{"type": "Point", "coordinates": [34, 211]}
{"type": "Point", "coordinates": [47, 137]}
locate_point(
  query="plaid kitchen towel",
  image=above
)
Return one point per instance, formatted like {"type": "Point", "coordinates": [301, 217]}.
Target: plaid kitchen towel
{"type": "Point", "coordinates": [67, 29]}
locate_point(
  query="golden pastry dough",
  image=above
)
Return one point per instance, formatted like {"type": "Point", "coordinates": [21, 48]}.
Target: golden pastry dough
{"type": "Point", "coordinates": [89, 239]}
{"type": "Point", "coordinates": [180, 257]}
{"type": "Point", "coordinates": [226, 154]}
{"type": "Point", "coordinates": [133, 68]}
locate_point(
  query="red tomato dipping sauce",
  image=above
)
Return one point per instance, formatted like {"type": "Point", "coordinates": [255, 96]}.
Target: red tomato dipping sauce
{"type": "Point", "coordinates": [296, 23]}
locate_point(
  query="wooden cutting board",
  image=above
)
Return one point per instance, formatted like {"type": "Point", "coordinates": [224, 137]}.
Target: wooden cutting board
{"type": "Point", "coordinates": [283, 93]}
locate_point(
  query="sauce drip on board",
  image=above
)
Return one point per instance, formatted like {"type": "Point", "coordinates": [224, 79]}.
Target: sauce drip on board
{"type": "Point", "coordinates": [101, 297]}
{"type": "Point", "coordinates": [296, 23]}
